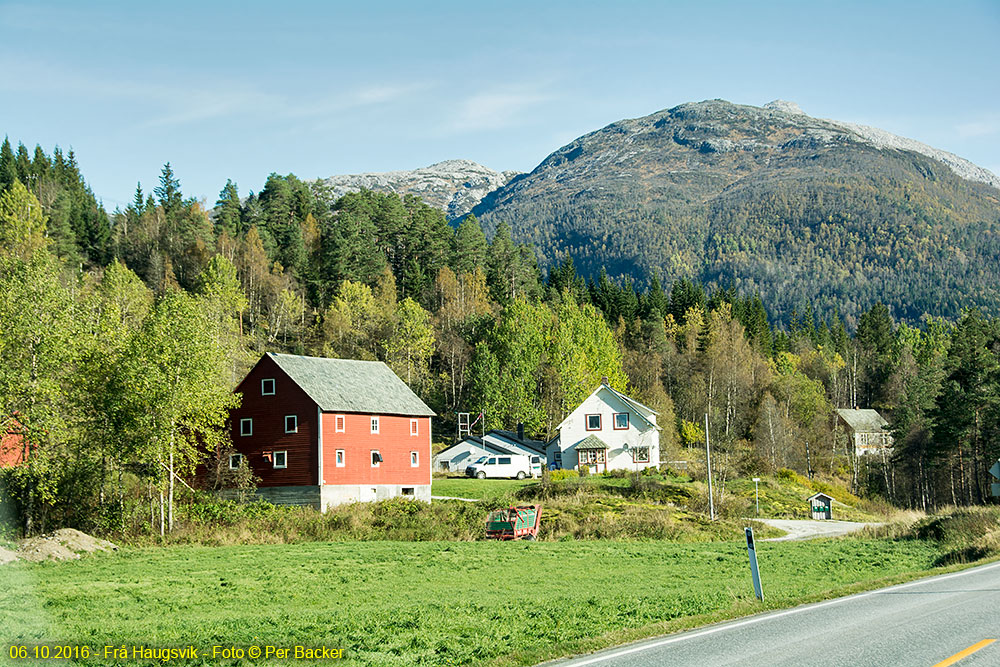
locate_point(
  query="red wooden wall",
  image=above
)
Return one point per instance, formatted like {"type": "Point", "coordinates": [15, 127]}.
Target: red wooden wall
{"type": "Point", "coordinates": [393, 441]}
{"type": "Point", "coordinates": [268, 414]}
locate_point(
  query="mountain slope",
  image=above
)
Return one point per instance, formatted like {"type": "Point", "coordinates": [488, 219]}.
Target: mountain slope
{"type": "Point", "coordinates": [454, 186]}
{"type": "Point", "coordinates": [808, 212]}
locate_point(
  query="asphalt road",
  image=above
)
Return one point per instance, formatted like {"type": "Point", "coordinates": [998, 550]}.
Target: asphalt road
{"type": "Point", "coordinates": [920, 624]}
{"type": "Point", "coordinates": [807, 529]}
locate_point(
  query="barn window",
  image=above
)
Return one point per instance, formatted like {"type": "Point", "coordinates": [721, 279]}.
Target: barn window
{"type": "Point", "coordinates": [414, 459]}
{"type": "Point", "coordinates": [338, 424]}
{"type": "Point", "coordinates": [621, 421]}
{"type": "Point", "coordinates": [414, 428]}
{"type": "Point", "coordinates": [267, 387]}
{"type": "Point", "coordinates": [593, 422]}
{"type": "Point", "coordinates": [374, 424]}
{"type": "Point", "coordinates": [291, 424]}
{"type": "Point", "coordinates": [376, 458]}
{"type": "Point", "coordinates": [640, 454]}
{"type": "Point", "coordinates": [279, 459]}
{"type": "Point", "coordinates": [340, 458]}
{"type": "Point", "coordinates": [246, 426]}
{"type": "Point", "coordinates": [235, 460]}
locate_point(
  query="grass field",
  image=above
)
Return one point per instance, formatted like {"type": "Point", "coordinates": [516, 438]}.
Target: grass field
{"type": "Point", "coordinates": [478, 489]}
{"type": "Point", "coordinates": [431, 603]}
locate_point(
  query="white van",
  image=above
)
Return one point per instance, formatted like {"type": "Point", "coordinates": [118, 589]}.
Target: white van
{"type": "Point", "coordinates": [507, 465]}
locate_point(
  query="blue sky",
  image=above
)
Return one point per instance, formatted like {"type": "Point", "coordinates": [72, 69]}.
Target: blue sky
{"type": "Point", "coordinates": [240, 89]}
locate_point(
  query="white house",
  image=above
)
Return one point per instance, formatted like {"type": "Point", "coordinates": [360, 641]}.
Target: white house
{"type": "Point", "coordinates": [868, 431]}
{"type": "Point", "coordinates": [496, 442]}
{"type": "Point", "coordinates": [607, 431]}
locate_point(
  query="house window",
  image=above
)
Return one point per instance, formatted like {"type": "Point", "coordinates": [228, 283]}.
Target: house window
{"type": "Point", "coordinates": [246, 426]}
{"type": "Point", "coordinates": [376, 458]}
{"type": "Point", "coordinates": [414, 459]}
{"type": "Point", "coordinates": [408, 491]}
{"type": "Point", "coordinates": [291, 424]}
{"type": "Point", "coordinates": [267, 387]}
{"type": "Point", "coordinates": [640, 454]}
{"type": "Point", "coordinates": [374, 424]}
{"type": "Point", "coordinates": [338, 424]}
{"type": "Point", "coordinates": [235, 461]}
{"type": "Point", "coordinates": [621, 421]}
{"type": "Point", "coordinates": [340, 458]}
{"type": "Point", "coordinates": [593, 456]}
{"type": "Point", "coordinates": [593, 422]}
{"type": "Point", "coordinates": [279, 459]}
{"type": "Point", "coordinates": [413, 427]}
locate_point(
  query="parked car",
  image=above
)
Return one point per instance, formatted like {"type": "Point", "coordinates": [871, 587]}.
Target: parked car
{"type": "Point", "coordinates": [514, 465]}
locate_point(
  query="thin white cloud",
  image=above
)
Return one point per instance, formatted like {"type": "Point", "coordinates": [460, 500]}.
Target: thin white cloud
{"type": "Point", "coordinates": [496, 109]}
{"type": "Point", "coordinates": [184, 103]}
{"type": "Point", "coordinates": [983, 127]}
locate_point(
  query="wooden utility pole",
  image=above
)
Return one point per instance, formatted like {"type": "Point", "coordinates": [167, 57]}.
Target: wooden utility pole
{"type": "Point", "coordinates": [708, 459]}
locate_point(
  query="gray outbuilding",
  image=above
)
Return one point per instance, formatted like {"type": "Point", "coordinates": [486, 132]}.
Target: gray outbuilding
{"type": "Point", "coordinates": [821, 506]}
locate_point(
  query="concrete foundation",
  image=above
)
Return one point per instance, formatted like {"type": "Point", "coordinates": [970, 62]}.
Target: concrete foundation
{"type": "Point", "coordinates": [330, 495]}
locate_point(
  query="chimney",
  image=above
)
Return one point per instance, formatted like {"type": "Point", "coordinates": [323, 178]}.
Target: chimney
{"type": "Point", "coordinates": [604, 380]}
{"type": "Point", "coordinates": [520, 431]}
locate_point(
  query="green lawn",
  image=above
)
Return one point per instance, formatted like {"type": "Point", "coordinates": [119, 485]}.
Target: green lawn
{"type": "Point", "coordinates": [431, 603]}
{"type": "Point", "coordinates": [468, 487]}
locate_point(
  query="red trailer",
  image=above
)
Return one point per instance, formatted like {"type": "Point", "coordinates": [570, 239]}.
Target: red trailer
{"type": "Point", "coordinates": [514, 523]}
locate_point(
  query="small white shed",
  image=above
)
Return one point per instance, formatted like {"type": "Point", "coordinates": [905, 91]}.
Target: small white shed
{"type": "Point", "coordinates": [821, 506]}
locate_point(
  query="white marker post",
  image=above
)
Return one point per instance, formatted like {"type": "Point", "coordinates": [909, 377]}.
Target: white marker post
{"type": "Point", "coordinates": [752, 552]}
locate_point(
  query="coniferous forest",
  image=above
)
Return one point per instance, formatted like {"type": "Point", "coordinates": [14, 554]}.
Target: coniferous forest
{"type": "Point", "coordinates": [122, 335]}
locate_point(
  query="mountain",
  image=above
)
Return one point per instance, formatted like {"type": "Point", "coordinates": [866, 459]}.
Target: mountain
{"type": "Point", "coordinates": [811, 213]}
{"type": "Point", "coordinates": [454, 186]}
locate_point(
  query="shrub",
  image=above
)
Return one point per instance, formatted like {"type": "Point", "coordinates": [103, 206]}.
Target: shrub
{"type": "Point", "coordinates": [560, 475]}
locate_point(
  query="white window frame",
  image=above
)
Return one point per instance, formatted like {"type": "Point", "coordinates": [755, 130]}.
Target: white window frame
{"type": "Point", "coordinates": [274, 459]}
{"type": "Point", "coordinates": [262, 391]}
{"type": "Point", "coordinates": [339, 423]}
{"type": "Point", "coordinates": [246, 426]}
{"type": "Point", "coordinates": [414, 427]}
{"type": "Point", "coordinates": [340, 458]}
{"type": "Point", "coordinates": [375, 425]}
{"type": "Point", "coordinates": [414, 459]}
{"type": "Point", "coordinates": [600, 422]}
{"type": "Point", "coordinates": [295, 426]}
{"type": "Point", "coordinates": [374, 453]}
{"type": "Point", "coordinates": [239, 461]}
{"type": "Point", "coordinates": [614, 421]}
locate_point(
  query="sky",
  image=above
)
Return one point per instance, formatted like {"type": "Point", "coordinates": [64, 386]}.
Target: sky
{"type": "Point", "coordinates": [237, 90]}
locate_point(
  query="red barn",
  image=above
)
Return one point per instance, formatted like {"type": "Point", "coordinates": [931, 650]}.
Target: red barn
{"type": "Point", "coordinates": [11, 444]}
{"type": "Point", "coordinates": [323, 432]}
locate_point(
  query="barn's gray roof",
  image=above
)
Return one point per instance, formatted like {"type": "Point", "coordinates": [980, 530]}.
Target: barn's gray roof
{"type": "Point", "coordinates": [863, 421]}
{"type": "Point", "coordinates": [348, 385]}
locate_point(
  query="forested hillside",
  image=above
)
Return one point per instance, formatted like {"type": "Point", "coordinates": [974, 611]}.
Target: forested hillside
{"type": "Point", "coordinates": [122, 335]}
{"type": "Point", "coordinates": [801, 210]}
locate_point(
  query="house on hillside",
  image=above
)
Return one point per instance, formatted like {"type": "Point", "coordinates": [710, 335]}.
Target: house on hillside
{"type": "Point", "coordinates": [12, 450]}
{"type": "Point", "coordinates": [607, 431]}
{"type": "Point", "coordinates": [492, 443]}
{"type": "Point", "coordinates": [866, 430]}
{"type": "Point", "coordinates": [323, 432]}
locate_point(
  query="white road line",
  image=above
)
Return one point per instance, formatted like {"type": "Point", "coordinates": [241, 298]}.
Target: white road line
{"type": "Point", "coordinates": [760, 619]}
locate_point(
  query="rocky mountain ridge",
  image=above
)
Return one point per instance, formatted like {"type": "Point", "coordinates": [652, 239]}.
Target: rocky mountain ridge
{"type": "Point", "coordinates": [808, 212]}
{"type": "Point", "coordinates": [454, 186]}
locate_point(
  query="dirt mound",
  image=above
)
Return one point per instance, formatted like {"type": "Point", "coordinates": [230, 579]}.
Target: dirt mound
{"type": "Point", "coordinates": [7, 556]}
{"type": "Point", "coordinates": [64, 544]}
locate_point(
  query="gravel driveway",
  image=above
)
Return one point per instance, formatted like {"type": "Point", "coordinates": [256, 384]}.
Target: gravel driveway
{"type": "Point", "coordinates": [807, 529]}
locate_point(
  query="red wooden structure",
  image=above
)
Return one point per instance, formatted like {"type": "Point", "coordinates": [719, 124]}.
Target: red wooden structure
{"type": "Point", "coordinates": [321, 432]}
